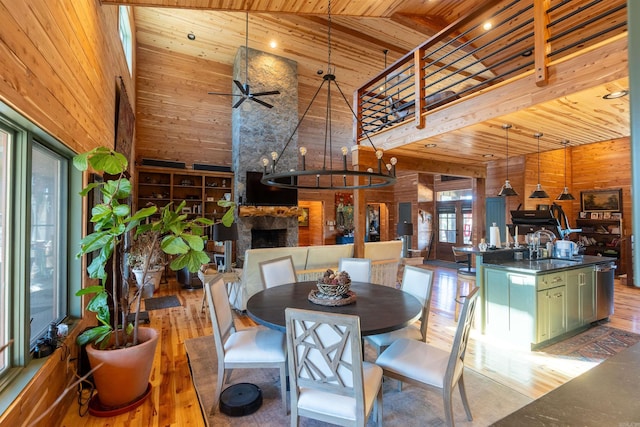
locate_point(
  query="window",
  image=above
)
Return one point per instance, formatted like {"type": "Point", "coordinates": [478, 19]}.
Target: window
{"type": "Point", "coordinates": [39, 273]}
{"type": "Point", "coordinates": [48, 300]}
{"type": "Point", "coordinates": [124, 28]}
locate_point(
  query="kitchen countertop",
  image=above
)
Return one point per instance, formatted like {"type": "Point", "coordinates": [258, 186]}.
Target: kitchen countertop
{"type": "Point", "coordinates": [545, 265]}
{"type": "Point", "coordinates": [602, 396]}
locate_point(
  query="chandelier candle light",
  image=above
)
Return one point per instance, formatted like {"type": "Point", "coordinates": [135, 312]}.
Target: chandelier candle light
{"type": "Point", "coordinates": [327, 177]}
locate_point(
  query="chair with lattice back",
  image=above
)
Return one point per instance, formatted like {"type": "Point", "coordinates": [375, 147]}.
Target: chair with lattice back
{"type": "Point", "coordinates": [329, 381]}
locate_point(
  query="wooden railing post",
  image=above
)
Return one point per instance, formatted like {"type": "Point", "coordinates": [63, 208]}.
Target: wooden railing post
{"type": "Point", "coordinates": [419, 96]}
{"type": "Point", "coordinates": [541, 37]}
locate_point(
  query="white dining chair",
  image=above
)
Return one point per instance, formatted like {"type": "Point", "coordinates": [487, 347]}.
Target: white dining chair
{"type": "Point", "coordinates": [419, 283]}
{"type": "Point", "coordinates": [247, 348]}
{"type": "Point", "coordinates": [329, 381]}
{"type": "Point", "coordinates": [277, 271]}
{"type": "Point", "coordinates": [427, 366]}
{"type": "Point", "coordinates": [359, 269]}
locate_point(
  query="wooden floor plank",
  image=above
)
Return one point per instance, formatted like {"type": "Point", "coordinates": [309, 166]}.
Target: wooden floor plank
{"type": "Point", "coordinates": [174, 401]}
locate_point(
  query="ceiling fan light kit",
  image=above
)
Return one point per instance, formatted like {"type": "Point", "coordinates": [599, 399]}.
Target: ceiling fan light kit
{"type": "Point", "coordinates": [328, 177]}
{"type": "Point", "coordinates": [245, 89]}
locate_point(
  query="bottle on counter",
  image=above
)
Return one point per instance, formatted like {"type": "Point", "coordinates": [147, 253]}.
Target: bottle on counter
{"type": "Point", "coordinates": [483, 245]}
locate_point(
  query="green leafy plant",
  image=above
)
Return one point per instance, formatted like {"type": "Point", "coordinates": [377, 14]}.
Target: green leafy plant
{"type": "Point", "coordinates": [112, 219]}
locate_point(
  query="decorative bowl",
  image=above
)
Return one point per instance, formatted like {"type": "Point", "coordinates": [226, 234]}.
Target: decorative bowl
{"type": "Point", "coordinates": [334, 284]}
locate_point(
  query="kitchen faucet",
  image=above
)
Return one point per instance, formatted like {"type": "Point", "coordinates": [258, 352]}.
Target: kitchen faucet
{"type": "Point", "coordinates": [536, 243]}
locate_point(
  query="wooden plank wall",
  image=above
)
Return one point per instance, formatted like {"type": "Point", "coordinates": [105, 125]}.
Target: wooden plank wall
{"type": "Point", "coordinates": [59, 63]}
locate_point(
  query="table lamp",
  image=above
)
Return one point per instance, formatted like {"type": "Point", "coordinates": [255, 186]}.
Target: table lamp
{"type": "Point", "coordinates": [221, 233]}
{"type": "Point", "coordinates": [405, 229]}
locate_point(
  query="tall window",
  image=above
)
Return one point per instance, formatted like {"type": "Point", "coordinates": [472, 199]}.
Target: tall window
{"type": "Point", "coordinates": [38, 270]}
{"type": "Point", "coordinates": [124, 28]}
{"type": "Point", "coordinates": [48, 230]}
{"type": "Point", "coordinates": [4, 296]}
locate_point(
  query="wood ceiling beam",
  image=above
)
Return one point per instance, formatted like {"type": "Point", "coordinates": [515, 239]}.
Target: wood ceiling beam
{"type": "Point", "coordinates": [364, 157]}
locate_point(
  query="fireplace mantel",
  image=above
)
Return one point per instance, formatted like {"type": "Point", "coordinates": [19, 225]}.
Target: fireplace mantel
{"type": "Point", "coordinates": [277, 211]}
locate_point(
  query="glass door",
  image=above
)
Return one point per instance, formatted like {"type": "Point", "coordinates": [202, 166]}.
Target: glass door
{"type": "Point", "coordinates": [454, 227]}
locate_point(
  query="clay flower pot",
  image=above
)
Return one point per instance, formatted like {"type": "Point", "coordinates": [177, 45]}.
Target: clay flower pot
{"type": "Point", "coordinates": [124, 375]}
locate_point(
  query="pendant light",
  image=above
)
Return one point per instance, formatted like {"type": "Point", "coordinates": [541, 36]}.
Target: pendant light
{"type": "Point", "coordinates": [539, 193]}
{"type": "Point", "coordinates": [565, 195]}
{"type": "Point", "coordinates": [506, 189]}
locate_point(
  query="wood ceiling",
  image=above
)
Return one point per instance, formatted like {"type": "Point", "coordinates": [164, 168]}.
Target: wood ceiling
{"type": "Point", "coordinates": [361, 31]}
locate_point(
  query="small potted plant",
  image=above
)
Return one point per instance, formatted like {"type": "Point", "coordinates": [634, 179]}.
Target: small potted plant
{"type": "Point", "coordinates": [122, 349]}
{"type": "Point", "coordinates": [146, 254]}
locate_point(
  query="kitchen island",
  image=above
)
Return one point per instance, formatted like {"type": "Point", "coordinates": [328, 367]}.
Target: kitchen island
{"type": "Point", "coordinates": [534, 302]}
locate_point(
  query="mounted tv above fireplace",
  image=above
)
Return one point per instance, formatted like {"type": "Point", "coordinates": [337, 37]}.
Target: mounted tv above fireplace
{"type": "Point", "coordinates": [258, 194]}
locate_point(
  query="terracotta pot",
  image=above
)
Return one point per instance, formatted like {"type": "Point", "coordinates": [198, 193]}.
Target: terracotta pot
{"type": "Point", "coordinates": [124, 375]}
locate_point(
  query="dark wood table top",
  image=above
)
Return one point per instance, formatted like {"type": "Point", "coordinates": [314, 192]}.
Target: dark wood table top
{"type": "Point", "coordinates": [381, 308]}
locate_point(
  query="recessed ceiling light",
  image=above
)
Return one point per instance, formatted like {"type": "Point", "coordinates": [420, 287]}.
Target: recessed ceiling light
{"type": "Point", "coordinates": [527, 53]}
{"type": "Point", "coordinates": [430, 145]}
{"type": "Point", "coordinates": [487, 26]}
{"type": "Point", "coordinates": [191, 36]}
{"type": "Point", "coordinates": [487, 156]}
{"type": "Point", "coordinates": [616, 94]}
{"type": "Point", "coordinates": [273, 44]}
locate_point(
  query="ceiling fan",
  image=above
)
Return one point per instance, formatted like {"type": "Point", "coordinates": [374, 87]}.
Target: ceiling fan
{"type": "Point", "coordinates": [245, 90]}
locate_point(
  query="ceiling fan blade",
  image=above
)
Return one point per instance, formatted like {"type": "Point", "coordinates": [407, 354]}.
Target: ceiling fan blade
{"type": "Point", "coordinates": [243, 89]}
{"type": "Point", "coordinates": [224, 94]}
{"type": "Point", "coordinates": [266, 104]}
{"type": "Point", "coordinates": [271, 92]}
{"type": "Point", "coordinates": [240, 101]}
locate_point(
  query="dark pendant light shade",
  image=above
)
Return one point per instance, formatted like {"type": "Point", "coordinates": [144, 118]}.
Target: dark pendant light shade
{"type": "Point", "coordinates": [538, 193]}
{"type": "Point", "coordinates": [565, 195]}
{"type": "Point", "coordinates": [507, 190]}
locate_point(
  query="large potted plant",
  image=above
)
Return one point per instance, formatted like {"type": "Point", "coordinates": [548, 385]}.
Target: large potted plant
{"type": "Point", "coordinates": [123, 348]}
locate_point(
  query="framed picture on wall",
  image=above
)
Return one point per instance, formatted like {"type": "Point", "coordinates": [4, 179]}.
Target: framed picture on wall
{"type": "Point", "coordinates": [303, 218]}
{"type": "Point", "coordinates": [601, 200]}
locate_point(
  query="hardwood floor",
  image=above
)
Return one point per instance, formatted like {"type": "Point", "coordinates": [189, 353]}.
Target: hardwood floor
{"type": "Point", "coordinates": [173, 400]}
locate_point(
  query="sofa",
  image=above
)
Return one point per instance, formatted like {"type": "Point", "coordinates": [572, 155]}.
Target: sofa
{"type": "Point", "coordinates": [311, 261]}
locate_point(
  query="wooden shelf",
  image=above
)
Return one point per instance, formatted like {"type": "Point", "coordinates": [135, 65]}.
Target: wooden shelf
{"type": "Point", "coordinates": [200, 190]}
{"type": "Point", "coordinates": [601, 236]}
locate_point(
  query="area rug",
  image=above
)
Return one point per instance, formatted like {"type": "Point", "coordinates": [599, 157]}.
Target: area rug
{"type": "Point", "coordinates": [161, 302]}
{"type": "Point", "coordinates": [413, 406]}
{"type": "Point", "coordinates": [593, 345]}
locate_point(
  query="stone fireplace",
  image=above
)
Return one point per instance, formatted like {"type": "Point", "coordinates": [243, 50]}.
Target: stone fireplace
{"type": "Point", "coordinates": [273, 238]}
{"type": "Point", "coordinates": [257, 131]}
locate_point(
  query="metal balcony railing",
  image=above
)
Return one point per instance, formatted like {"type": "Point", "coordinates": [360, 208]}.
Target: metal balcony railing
{"type": "Point", "coordinates": [466, 57]}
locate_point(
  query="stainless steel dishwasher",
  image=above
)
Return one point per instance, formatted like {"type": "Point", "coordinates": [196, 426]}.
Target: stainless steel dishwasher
{"type": "Point", "coordinates": [604, 289]}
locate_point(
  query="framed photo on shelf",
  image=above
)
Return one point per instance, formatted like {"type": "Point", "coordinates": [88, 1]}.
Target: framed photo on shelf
{"type": "Point", "coordinates": [583, 215]}
{"type": "Point", "coordinates": [219, 260]}
{"type": "Point", "coordinates": [601, 200]}
{"type": "Point", "coordinates": [595, 215]}
{"type": "Point", "coordinates": [606, 215]}
{"type": "Point", "coordinates": [616, 215]}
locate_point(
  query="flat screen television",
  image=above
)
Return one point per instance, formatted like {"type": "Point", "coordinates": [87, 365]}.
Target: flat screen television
{"type": "Point", "coordinates": [258, 194]}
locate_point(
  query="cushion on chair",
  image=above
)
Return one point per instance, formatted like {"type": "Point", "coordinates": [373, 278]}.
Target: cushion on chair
{"type": "Point", "coordinates": [255, 345]}
{"type": "Point", "coordinates": [383, 340]}
{"type": "Point", "coordinates": [326, 403]}
{"type": "Point", "coordinates": [418, 360]}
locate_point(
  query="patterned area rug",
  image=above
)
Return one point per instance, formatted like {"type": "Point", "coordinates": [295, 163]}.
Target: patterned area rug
{"type": "Point", "coordinates": [413, 406]}
{"type": "Point", "coordinates": [593, 345]}
{"type": "Point", "coordinates": [161, 302]}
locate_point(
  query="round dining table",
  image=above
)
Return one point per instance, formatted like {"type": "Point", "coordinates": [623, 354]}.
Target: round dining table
{"type": "Point", "coordinates": [380, 308]}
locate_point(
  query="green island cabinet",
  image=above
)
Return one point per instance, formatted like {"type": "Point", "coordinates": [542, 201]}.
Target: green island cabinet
{"type": "Point", "coordinates": [535, 308]}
